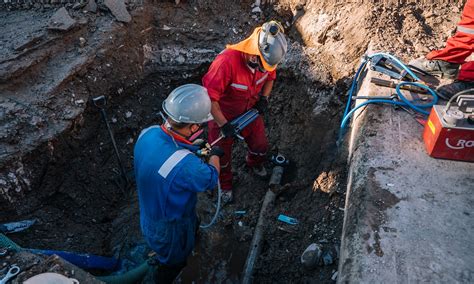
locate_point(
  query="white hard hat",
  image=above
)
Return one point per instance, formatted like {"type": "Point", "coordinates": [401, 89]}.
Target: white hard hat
{"type": "Point", "coordinates": [272, 43]}
{"type": "Point", "coordinates": [189, 103]}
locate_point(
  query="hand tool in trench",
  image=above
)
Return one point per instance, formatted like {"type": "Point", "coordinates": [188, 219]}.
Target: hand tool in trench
{"type": "Point", "coordinates": [388, 66]}
{"type": "Point", "coordinates": [15, 227]}
{"type": "Point", "coordinates": [239, 123]}
{"type": "Point", "coordinates": [100, 102]}
{"type": "Point", "coordinates": [280, 163]}
{"type": "Point", "coordinates": [12, 272]}
{"type": "Point", "coordinates": [393, 85]}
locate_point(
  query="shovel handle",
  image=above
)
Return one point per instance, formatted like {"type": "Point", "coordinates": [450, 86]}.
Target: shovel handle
{"type": "Point", "coordinates": [99, 101]}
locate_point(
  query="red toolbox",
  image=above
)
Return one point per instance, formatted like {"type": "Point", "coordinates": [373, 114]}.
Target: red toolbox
{"type": "Point", "coordinates": [449, 130]}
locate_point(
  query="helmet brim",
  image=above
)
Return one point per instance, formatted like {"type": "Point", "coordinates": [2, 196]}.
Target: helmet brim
{"type": "Point", "coordinates": [250, 46]}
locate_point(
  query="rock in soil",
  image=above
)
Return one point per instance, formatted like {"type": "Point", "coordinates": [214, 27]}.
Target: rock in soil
{"type": "Point", "coordinates": [119, 10]}
{"type": "Point", "coordinates": [61, 21]}
{"type": "Point", "coordinates": [311, 255]}
{"type": "Point", "coordinates": [91, 6]}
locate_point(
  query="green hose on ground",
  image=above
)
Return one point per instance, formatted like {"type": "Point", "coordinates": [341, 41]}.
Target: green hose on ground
{"type": "Point", "coordinates": [130, 277]}
{"type": "Point", "coordinates": [6, 243]}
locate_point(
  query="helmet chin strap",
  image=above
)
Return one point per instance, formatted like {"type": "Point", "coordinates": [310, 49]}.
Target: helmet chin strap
{"type": "Point", "coordinates": [190, 138]}
{"type": "Point", "coordinates": [196, 135]}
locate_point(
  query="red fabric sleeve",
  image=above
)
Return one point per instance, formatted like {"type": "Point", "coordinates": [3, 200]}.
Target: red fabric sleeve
{"type": "Point", "coordinates": [217, 78]}
{"type": "Point", "coordinates": [272, 75]}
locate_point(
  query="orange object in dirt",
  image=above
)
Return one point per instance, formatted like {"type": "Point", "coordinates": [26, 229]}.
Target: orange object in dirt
{"type": "Point", "coordinates": [449, 136]}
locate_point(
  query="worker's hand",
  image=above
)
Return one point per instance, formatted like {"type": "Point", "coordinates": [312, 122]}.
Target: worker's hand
{"type": "Point", "coordinates": [216, 151]}
{"type": "Point", "coordinates": [262, 105]}
{"type": "Point", "coordinates": [228, 130]}
{"type": "Point", "coordinates": [201, 143]}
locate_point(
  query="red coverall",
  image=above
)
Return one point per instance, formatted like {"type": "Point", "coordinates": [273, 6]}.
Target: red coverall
{"type": "Point", "coordinates": [231, 82]}
{"type": "Point", "coordinates": [461, 45]}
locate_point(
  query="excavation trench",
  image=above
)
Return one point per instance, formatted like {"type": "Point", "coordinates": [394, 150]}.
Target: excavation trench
{"type": "Point", "coordinates": [87, 212]}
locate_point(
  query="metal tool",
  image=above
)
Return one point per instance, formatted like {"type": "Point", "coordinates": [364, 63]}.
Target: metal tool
{"type": "Point", "coordinates": [393, 85]}
{"type": "Point", "coordinates": [387, 66]}
{"type": "Point", "coordinates": [100, 102]}
{"type": "Point", "coordinates": [374, 97]}
{"type": "Point", "coordinates": [3, 251]}
{"type": "Point", "coordinates": [239, 123]}
{"type": "Point", "coordinates": [15, 227]}
{"type": "Point", "coordinates": [12, 272]}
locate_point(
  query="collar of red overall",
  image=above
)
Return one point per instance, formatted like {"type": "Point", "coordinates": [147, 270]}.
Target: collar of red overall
{"type": "Point", "coordinates": [175, 135]}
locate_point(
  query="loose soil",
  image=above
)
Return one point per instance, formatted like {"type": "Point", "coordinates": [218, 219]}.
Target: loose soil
{"type": "Point", "coordinates": [76, 195]}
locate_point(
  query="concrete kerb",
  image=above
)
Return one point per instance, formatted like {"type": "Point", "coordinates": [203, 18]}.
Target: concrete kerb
{"type": "Point", "coordinates": [407, 215]}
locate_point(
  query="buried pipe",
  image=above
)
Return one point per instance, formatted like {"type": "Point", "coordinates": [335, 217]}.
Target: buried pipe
{"type": "Point", "coordinates": [256, 245]}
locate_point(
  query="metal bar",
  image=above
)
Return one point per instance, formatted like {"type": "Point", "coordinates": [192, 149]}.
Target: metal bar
{"type": "Point", "coordinates": [117, 154]}
{"type": "Point", "coordinates": [393, 85]}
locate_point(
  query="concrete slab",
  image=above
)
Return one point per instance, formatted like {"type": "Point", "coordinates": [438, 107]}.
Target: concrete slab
{"type": "Point", "coordinates": [408, 217]}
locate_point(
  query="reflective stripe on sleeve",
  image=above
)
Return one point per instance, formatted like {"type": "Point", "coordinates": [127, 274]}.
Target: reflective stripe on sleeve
{"type": "Point", "coordinates": [465, 30]}
{"type": "Point", "coordinates": [172, 161]}
{"type": "Point", "coordinates": [239, 86]}
{"type": "Point", "coordinates": [262, 79]}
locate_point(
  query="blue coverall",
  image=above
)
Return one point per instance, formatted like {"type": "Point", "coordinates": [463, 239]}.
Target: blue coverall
{"type": "Point", "coordinates": [168, 177]}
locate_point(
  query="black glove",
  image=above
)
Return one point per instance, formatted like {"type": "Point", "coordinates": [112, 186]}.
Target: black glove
{"type": "Point", "coordinates": [216, 151]}
{"type": "Point", "coordinates": [228, 130]}
{"type": "Point", "coordinates": [262, 105]}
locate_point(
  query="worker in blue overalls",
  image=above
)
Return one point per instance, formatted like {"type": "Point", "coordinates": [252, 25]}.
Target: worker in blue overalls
{"type": "Point", "coordinates": [169, 176]}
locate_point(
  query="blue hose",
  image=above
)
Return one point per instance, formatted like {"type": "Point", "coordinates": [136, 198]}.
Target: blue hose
{"type": "Point", "coordinates": [83, 260]}
{"type": "Point", "coordinates": [354, 86]}
{"type": "Point", "coordinates": [416, 107]}
{"type": "Point", "coordinates": [214, 218]}
{"type": "Point", "coordinates": [404, 101]}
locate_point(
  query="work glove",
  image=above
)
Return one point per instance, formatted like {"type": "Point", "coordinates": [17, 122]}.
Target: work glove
{"type": "Point", "coordinates": [262, 105]}
{"type": "Point", "coordinates": [216, 151]}
{"type": "Point", "coordinates": [228, 130]}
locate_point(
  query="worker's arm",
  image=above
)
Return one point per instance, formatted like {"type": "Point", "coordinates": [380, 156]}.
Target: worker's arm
{"type": "Point", "coordinates": [215, 161]}
{"type": "Point", "coordinates": [198, 176]}
{"type": "Point", "coordinates": [217, 114]}
{"type": "Point", "coordinates": [216, 80]}
{"type": "Point", "coordinates": [267, 88]}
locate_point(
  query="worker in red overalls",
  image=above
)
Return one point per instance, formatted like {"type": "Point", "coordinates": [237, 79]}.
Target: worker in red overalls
{"type": "Point", "coordinates": [446, 62]}
{"type": "Point", "coordinates": [241, 77]}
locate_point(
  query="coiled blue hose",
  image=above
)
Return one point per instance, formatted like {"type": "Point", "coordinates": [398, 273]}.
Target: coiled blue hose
{"type": "Point", "coordinates": [404, 101]}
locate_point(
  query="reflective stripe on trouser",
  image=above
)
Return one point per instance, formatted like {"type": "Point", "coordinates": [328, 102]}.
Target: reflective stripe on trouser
{"type": "Point", "coordinates": [257, 143]}
{"type": "Point", "coordinates": [461, 45]}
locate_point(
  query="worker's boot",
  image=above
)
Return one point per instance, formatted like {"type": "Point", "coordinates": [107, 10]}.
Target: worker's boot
{"type": "Point", "coordinates": [449, 90]}
{"type": "Point", "coordinates": [442, 69]}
